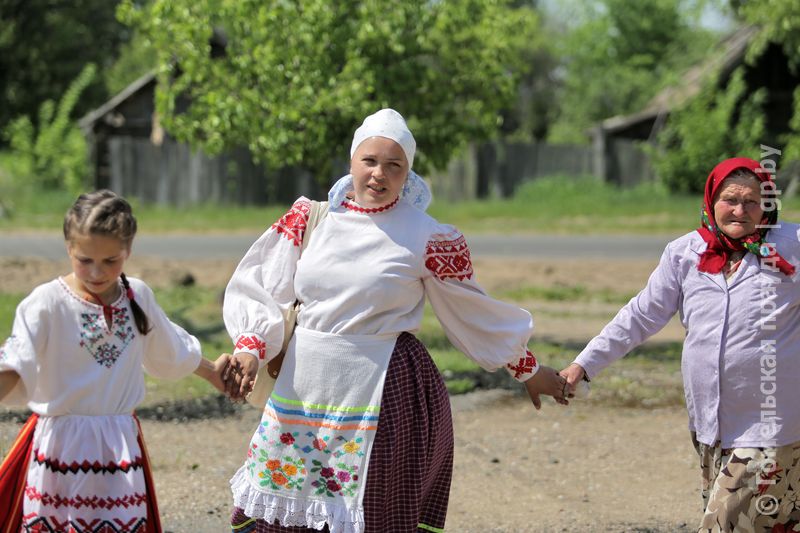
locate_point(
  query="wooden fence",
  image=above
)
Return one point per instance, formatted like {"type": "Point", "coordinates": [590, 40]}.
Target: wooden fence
{"type": "Point", "coordinates": [497, 169]}
{"type": "Point", "coordinates": [173, 174]}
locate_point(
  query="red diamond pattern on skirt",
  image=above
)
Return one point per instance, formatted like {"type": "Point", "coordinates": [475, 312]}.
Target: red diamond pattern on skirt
{"type": "Point", "coordinates": [41, 524]}
{"type": "Point", "coordinates": [77, 502]}
{"type": "Point", "coordinates": [57, 466]}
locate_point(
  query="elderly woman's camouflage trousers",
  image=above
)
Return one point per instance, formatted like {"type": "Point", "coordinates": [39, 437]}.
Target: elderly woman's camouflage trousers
{"type": "Point", "coordinates": [750, 489]}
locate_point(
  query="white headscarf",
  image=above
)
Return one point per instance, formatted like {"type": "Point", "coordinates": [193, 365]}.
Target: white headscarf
{"type": "Point", "coordinates": [390, 124]}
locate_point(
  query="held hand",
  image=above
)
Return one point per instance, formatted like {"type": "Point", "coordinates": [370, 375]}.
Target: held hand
{"type": "Point", "coordinates": [546, 381]}
{"type": "Point", "coordinates": [215, 377]}
{"type": "Point", "coordinates": [574, 373]}
{"type": "Point", "coordinates": [240, 375]}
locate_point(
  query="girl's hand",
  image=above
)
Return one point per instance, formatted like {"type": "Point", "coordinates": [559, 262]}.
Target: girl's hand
{"type": "Point", "coordinates": [546, 381]}
{"type": "Point", "coordinates": [219, 366]}
{"type": "Point", "coordinates": [212, 372]}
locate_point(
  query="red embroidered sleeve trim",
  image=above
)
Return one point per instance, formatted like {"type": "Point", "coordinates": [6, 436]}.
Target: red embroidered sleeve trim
{"type": "Point", "coordinates": [525, 365]}
{"type": "Point", "coordinates": [449, 259]}
{"type": "Point", "coordinates": [292, 225]}
{"type": "Point", "coordinates": [253, 344]}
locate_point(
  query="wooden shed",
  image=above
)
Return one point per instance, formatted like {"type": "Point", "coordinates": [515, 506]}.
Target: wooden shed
{"type": "Point", "coordinates": [131, 154]}
{"type": "Point", "coordinates": [770, 70]}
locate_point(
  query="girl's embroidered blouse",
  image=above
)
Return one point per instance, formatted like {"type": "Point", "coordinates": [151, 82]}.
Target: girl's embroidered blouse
{"type": "Point", "coordinates": [71, 362]}
{"type": "Point", "coordinates": [369, 274]}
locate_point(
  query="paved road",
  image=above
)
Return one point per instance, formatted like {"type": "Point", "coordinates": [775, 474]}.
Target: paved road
{"type": "Point", "coordinates": [193, 246]}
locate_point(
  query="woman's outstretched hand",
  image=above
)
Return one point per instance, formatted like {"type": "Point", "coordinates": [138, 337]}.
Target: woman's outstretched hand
{"type": "Point", "coordinates": [548, 382]}
{"type": "Point", "coordinates": [240, 375]}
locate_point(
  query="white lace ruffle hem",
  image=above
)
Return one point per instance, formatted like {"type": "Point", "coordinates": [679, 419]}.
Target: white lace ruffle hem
{"type": "Point", "coordinates": [292, 512]}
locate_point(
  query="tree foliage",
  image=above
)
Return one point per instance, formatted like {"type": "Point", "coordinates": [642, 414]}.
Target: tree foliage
{"type": "Point", "coordinates": [621, 55]}
{"type": "Point", "coordinates": [298, 77]}
{"type": "Point", "coordinates": [779, 21]}
{"type": "Point", "coordinates": [136, 58]}
{"type": "Point", "coordinates": [44, 45]}
{"type": "Point", "coordinates": [713, 126]}
{"type": "Point", "coordinates": [52, 153]}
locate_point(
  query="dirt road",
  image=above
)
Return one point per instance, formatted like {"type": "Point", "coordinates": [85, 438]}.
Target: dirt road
{"type": "Point", "coordinates": [581, 468]}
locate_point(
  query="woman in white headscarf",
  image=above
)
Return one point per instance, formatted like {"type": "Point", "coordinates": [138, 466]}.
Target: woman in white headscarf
{"type": "Point", "coordinates": [357, 434]}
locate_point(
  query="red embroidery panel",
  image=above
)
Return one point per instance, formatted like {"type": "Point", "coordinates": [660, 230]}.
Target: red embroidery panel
{"type": "Point", "coordinates": [57, 466]}
{"type": "Point", "coordinates": [449, 259]}
{"type": "Point", "coordinates": [35, 523]}
{"type": "Point", "coordinates": [77, 502]}
{"type": "Point", "coordinates": [252, 343]}
{"type": "Point", "coordinates": [292, 225]}
{"type": "Point", "coordinates": [525, 365]}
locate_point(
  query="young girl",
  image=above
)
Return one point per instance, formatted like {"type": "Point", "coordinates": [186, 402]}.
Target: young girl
{"type": "Point", "coordinates": [76, 356]}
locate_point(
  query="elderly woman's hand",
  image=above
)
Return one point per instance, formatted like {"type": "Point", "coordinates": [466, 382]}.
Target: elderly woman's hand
{"type": "Point", "coordinates": [546, 381]}
{"type": "Point", "coordinates": [574, 373]}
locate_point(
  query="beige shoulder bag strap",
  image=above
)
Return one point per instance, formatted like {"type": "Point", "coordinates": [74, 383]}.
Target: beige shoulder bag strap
{"type": "Point", "coordinates": [265, 379]}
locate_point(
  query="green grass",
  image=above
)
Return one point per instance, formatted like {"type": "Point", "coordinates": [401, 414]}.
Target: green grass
{"type": "Point", "coordinates": [564, 293]}
{"type": "Point", "coordinates": [8, 305]}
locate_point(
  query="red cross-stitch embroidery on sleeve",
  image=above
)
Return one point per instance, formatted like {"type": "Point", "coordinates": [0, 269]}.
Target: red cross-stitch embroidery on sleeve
{"type": "Point", "coordinates": [252, 343]}
{"type": "Point", "coordinates": [292, 225]}
{"type": "Point", "coordinates": [525, 365]}
{"type": "Point", "coordinates": [449, 259]}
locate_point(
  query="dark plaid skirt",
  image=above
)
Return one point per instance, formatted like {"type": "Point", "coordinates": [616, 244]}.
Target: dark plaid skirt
{"type": "Point", "coordinates": [408, 481]}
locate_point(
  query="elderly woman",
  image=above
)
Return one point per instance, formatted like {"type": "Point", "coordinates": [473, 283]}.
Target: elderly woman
{"type": "Point", "coordinates": [357, 434]}
{"type": "Point", "coordinates": [734, 284]}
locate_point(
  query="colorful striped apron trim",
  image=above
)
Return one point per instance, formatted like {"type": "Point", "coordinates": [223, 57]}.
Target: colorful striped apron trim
{"type": "Point", "coordinates": [307, 405]}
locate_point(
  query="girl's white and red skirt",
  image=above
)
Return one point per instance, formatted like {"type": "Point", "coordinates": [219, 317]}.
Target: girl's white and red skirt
{"type": "Point", "coordinates": [79, 474]}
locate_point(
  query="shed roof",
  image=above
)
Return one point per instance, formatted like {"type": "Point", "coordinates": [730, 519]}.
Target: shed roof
{"type": "Point", "coordinates": [90, 119]}
{"type": "Point", "coordinates": [729, 54]}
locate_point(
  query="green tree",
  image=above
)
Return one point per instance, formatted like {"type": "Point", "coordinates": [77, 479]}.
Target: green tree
{"type": "Point", "coordinates": [779, 21]}
{"type": "Point", "coordinates": [52, 153]}
{"type": "Point", "coordinates": [620, 55]}
{"type": "Point", "coordinates": [297, 77]}
{"type": "Point", "coordinates": [715, 125]}
{"type": "Point", "coordinates": [44, 45]}
{"type": "Point", "coordinates": [136, 58]}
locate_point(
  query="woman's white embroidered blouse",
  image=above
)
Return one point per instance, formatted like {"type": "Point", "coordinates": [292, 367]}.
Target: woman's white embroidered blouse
{"type": "Point", "coordinates": [368, 274]}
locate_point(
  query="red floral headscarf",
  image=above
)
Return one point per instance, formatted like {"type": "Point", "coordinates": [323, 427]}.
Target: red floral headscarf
{"type": "Point", "coordinates": [720, 246]}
